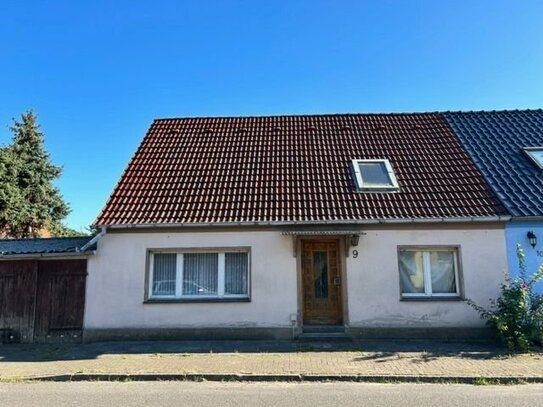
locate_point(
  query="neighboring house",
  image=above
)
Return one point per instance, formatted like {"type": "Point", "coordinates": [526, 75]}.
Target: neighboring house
{"type": "Point", "coordinates": [507, 146]}
{"type": "Point", "coordinates": [379, 224]}
{"type": "Point", "coordinates": [42, 288]}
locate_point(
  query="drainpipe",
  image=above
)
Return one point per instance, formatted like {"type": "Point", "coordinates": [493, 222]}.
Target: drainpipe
{"type": "Point", "coordinates": [93, 240]}
{"type": "Point", "coordinates": [294, 322]}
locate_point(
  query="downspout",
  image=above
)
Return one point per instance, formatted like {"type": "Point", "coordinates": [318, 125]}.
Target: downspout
{"type": "Point", "coordinates": [93, 240]}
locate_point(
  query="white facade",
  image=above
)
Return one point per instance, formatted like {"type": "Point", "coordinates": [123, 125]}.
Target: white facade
{"type": "Point", "coordinates": [374, 287]}
{"type": "Point", "coordinates": [116, 280]}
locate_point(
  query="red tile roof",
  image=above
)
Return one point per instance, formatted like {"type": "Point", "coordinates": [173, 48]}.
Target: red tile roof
{"type": "Point", "coordinates": [296, 168]}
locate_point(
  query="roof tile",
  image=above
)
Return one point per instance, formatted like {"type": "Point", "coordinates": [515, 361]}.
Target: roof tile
{"type": "Point", "coordinates": [47, 245]}
{"type": "Point", "coordinates": [495, 140]}
{"type": "Point", "coordinates": [295, 168]}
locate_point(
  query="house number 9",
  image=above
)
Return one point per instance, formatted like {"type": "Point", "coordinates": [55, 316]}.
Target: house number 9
{"type": "Point", "coordinates": [355, 254]}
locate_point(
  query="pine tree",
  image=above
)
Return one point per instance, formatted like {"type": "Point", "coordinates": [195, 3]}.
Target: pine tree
{"type": "Point", "coordinates": [29, 202]}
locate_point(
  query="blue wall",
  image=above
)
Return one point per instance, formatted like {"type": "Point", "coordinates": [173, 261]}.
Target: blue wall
{"type": "Point", "coordinates": [515, 232]}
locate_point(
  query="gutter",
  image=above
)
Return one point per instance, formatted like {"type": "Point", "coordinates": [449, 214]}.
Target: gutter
{"type": "Point", "coordinates": [93, 240]}
{"type": "Point", "coordinates": [481, 219]}
{"type": "Point", "coordinates": [45, 255]}
{"type": "Point", "coordinates": [527, 218]}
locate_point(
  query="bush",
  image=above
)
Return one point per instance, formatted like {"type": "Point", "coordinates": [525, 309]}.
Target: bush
{"type": "Point", "coordinates": [517, 315]}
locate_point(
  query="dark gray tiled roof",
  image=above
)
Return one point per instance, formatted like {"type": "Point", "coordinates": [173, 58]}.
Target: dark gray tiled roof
{"type": "Point", "coordinates": [44, 245]}
{"type": "Point", "coordinates": [495, 140]}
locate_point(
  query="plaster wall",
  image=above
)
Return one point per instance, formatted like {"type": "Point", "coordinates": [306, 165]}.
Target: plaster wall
{"type": "Point", "coordinates": [116, 281]}
{"type": "Point", "coordinates": [374, 282]}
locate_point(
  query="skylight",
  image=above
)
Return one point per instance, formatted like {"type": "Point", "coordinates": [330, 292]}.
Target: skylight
{"type": "Point", "coordinates": [375, 176]}
{"type": "Point", "coordinates": [536, 155]}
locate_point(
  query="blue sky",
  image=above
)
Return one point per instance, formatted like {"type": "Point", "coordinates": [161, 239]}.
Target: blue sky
{"type": "Point", "coordinates": [98, 72]}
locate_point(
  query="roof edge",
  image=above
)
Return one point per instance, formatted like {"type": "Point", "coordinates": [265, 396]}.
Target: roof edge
{"type": "Point", "coordinates": [474, 219]}
{"type": "Point", "coordinates": [63, 255]}
{"type": "Point", "coordinates": [26, 239]}
{"type": "Point", "coordinates": [527, 218]}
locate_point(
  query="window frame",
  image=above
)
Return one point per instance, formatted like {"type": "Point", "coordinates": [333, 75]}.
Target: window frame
{"type": "Point", "coordinates": [360, 179]}
{"type": "Point", "coordinates": [428, 295]}
{"type": "Point", "coordinates": [179, 296]}
{"type": "Point", "coordinates": [528, 152]}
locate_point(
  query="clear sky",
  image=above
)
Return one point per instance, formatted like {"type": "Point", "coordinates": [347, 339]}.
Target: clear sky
{"type": "Point", "coordinates": [98, 72]}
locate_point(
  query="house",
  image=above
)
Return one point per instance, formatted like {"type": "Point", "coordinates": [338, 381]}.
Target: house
{"type": "Point", "coordinates": [42, 289]}
{"type": "Point", "coordinates": [273, 227]}
{"type": "Point", "coordinates": [507, 147]}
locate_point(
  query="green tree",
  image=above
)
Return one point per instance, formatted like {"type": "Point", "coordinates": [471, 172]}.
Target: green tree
{"type": "Point", "coordinates": [29, 202]}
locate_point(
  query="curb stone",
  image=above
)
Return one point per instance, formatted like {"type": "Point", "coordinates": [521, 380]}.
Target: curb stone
{"type": "Point", "coordinates": [226, 377]}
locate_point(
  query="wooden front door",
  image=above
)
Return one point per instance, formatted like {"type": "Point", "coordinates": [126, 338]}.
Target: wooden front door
{"type": "Point", "coordinates": [321, 282]}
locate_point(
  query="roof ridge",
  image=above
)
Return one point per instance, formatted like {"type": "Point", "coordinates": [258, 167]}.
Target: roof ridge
{"type": "Point", "coordinates": [287, 115]}
{"type": "Point", "coordinates": [493, 111]}
{"type": "Point", "coordinates": [336, 114]}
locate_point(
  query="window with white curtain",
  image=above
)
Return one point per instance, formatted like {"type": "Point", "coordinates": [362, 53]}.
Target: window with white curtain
{"type": "Point", "coordinates": [199, 275]}
{"type": "Point", "coordinates": [429, 273]}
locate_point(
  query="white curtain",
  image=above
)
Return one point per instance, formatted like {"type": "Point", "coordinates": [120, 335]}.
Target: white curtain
{"type": "Point", "coordinates": [411, 272]}
{"type": "Point", "coordinates": [442, 270]}
{"type": "Point", "coordinates": [200, 273]}
{"type": "Point", "coordinates": [235, 270]}
{"type": "Point", "coordinates": [164, 273]}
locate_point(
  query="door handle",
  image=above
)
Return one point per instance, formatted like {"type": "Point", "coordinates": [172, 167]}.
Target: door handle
{"type": "Point", "coordinates": [337, 281]}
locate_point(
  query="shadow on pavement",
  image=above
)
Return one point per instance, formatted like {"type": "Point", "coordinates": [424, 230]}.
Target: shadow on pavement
{"type": "Point", "coordinates": [379, 351]}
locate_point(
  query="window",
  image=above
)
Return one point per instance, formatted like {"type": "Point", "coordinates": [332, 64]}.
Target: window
{"type": "Point", "coordinates": [375, 176]}
{"type": "Point", "coordinates": [535, 154]}
{"type": "Point", "coordinates": [429, 273]}
{"type": "Point", "coordinates": [199, 275]}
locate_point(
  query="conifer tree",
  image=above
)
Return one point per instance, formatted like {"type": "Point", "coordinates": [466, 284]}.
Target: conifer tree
{"type": "Point", "coordinates": [29, 202]}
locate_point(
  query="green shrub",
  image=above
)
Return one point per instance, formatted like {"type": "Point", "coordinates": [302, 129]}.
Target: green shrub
{"type": "Point", "coordinates": [517, 314]}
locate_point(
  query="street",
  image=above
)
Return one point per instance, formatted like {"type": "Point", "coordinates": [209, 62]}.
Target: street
{"type": "Point", "coordinates": [150, 394]}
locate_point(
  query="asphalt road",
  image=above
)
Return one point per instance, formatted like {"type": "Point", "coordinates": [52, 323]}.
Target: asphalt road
{"type": "Point", "coordinates": [150, 394]}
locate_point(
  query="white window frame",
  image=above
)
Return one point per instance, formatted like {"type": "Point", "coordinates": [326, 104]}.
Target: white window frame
{"type": "Point", "coordinates": [179, 275]}
{"type": "Point", "coordinates": [427, 272]}
{"type": "Point", "coordinates": [528, 152]}
{"type": "Point", "coordinates": [382, 188]}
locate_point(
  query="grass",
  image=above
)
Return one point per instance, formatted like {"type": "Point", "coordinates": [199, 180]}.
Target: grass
{"type": "Point", "coordinates": [12, 379]}
{"type": "Point", "coordinates": [493, 381]}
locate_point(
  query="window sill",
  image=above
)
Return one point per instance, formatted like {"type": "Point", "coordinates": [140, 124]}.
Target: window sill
{"type": "Point", "coordinates": [431, 299]}
{"type": "Point", "coordinates": [195, 300]}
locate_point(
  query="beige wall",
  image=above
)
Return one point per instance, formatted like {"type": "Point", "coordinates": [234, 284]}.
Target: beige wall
{"type": "Point", "coordinates": [115, 287]}
{"type": "Point", "coordinates": [116, 281]}
{"type": "Point", "coordinates": [373, 278]}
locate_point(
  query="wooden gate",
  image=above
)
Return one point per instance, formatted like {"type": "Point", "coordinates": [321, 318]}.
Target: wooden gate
{"type": "Point", "coordinates": [60, 300]}
{"type": "Point", "coordinates": [17, 300]}
{"type": "Point", "coordinates": [42, 301]}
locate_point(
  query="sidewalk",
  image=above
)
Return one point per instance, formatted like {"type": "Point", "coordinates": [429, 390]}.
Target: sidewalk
{"type": "Point", "coordinates": [231, 359]}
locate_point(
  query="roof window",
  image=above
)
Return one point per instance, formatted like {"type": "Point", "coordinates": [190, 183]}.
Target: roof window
{"type": "Point", "coordinates": [535, 154]}
{"type": "Point", "coordinates": [375, 176]}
